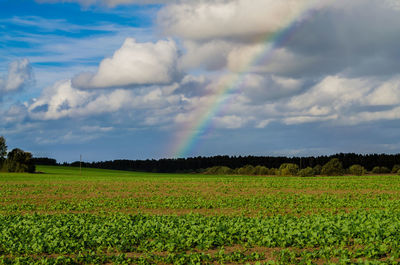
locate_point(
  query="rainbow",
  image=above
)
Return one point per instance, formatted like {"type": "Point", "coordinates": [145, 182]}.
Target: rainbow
{"type": "Point", "coordinates": [200, 122]}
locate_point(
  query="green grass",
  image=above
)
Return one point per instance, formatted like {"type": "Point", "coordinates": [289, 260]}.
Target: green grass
{"type": "Point", "coordinates": [109, 216]}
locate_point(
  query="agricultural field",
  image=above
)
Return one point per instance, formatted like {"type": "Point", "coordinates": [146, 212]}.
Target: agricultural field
{"type": "Point", "coordinates": [115, 217]}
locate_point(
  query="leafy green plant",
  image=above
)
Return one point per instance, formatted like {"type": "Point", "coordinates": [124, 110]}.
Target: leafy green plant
{"type": "Point", "coordinates": [105, 217]}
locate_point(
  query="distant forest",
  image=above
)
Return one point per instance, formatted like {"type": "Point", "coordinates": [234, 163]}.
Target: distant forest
{"type": "Point", "coordinates": [197, 164]}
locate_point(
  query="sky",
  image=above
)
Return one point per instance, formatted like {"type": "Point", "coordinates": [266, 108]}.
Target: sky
{"type": "Point", "coordinates": [136, 79]}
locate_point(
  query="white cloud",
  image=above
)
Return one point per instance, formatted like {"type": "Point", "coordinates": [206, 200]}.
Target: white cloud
{"type": "Point", "coordinates": [332, 91]}
{"type": "Point", "coordinates": [266, 99]}
{"type": "Point", "coordinates": [346, 101]}
{"type": "Point", "coordinates": [229, 121]}
{"type": "Point", "coordinates": [92, 129]}
{"type": "Point", "coordinates": [387, 93]}
{"type": "Point", "coordinates": [263, 123]}
{"type": "Point", "coordinates": [367, 116]}
{"type": "Point", "coordinates": [57, 101]}
{"type": "Point", "coordinates": [203, 20]}
{"type": "Point", "coordinates": [62, 100]}
{"type": "Point", "coordinates": [134, 64]}
{"type": "Point", "coordinates": [19, 75]}
{"type": "Point", "coordinates": [307, 119]}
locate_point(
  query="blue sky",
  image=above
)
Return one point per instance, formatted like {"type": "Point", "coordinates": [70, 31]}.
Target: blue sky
{"type": "Point", "coordinates": [134, 79]}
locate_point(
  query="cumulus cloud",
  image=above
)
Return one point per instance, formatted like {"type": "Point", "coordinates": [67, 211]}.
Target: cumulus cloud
{"type": "Point", "coordinates": [58, 101]}
{"type": "Point", "coordinates": [19, 75]}
{"type": "Point", "coordinates": [265, 99]}
{"type": "Point", "coordinates": [63, 100]}
{"type": "Point", "coordinates": [346, 100]}
{"type": "Point", "coordinates": [331, 40]}
{"type": "Point", "coordinates": [204, 20]}
{"type": "Point", "coordinates": [134, 64]}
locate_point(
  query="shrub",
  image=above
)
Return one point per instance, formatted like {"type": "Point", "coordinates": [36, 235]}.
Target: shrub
{"type": "Point", "coordinates": [357, 170]}
{"type": "Point", "coordinates": [247, 170]}
{"type": "Point", "coordinates": [218, 170]}
{"type": "Point", "coordinates": [261, 170]}
{"type": "Point", "coordinates": [288, 169]}
{"type": "Point", "coordinates": [376, 170]}
{"type": "Point", "coordinates": [380, 170]}
{"type": "Point", "coordinates": [395, 168]}
{"type": "Point", "coordinates": [398, 172]}
{"type": "Point", "coordinates": [385, 170]}
{"type": "Point", "coordinates": [333, 168]}
{"type": "Point", "coordinates": [272, 171]}
{"type": "Point", "coordinates": [307, 172]}
{"type": "Point", "coordinates": [317, 169]}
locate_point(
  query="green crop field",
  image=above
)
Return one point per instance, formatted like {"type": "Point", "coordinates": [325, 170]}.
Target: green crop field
{"type": "Point", "coordinates": [115, 217]}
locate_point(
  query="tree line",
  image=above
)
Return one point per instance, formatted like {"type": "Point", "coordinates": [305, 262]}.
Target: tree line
{"type": "Point", "coordinates": [16, 160]}
{"type": "Point", "coordinates": [332, 168]}
{"type": "Point", "coordinates": [200, 164]}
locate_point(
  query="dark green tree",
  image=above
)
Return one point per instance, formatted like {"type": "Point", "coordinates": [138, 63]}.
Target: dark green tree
{"type": "Point", "coordinates": [3, 147]}
{"type": "Point", "coordinates": [3, 151]}
{"type": "Point", "coordinates": [19, 161]}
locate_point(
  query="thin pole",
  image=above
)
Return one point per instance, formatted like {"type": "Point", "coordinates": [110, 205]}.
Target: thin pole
{"type": "Point", "coordinates": [80, 165]}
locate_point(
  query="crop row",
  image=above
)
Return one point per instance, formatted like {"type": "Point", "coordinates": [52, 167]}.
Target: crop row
{"type": "Point", "coordinates": [351, 236]}
{"type": "Point", "coordinates": [265, 204]}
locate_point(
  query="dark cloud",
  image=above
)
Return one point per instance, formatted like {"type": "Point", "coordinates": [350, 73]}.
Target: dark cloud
{"type": "Point", "coordinates": [357, 40]}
